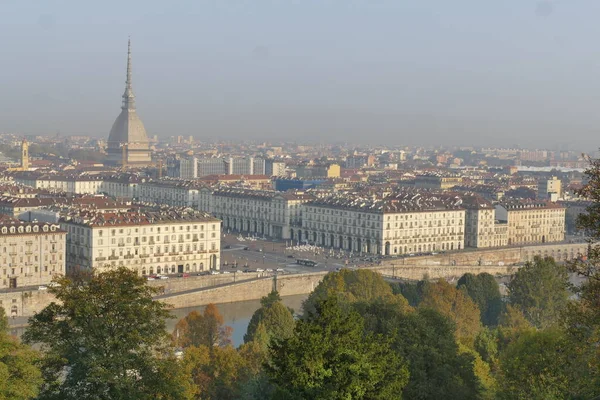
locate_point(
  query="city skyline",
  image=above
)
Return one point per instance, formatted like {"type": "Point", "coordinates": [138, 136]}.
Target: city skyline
{"type": "Point", "coordinates": [461, 74]}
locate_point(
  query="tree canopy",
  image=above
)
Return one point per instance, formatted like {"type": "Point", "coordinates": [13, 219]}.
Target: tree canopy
{"type": "Point", "coordinates": [456, 305]}
{"type": "Point", "coordinates": [485, 292]}
{"type": "Point", "coordinates": [351, 286]}
{"type": "Point", "coordinates": [330, 356]}
{"type": "Point", "coordinates": [275, 318]}
{"type": "Point", "coordinates": [540, 290]}
{"type": "Point", "coordinates": [105, 338]}
{"type": "Point", "coordinates": [206, 329]}
{"type": "Point", "coordinates": [20, 378]}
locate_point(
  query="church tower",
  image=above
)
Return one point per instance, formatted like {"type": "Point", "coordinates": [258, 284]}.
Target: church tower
{"type": "Point", "coordinates": [24, 155]}
{"type": "Point", "coordinates": [128, 142]}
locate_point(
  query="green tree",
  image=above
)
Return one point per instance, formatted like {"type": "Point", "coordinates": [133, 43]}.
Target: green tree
{"type": "Point", "coordinates": [540, 290]}
{"type": "Point", "coordinates": [582, 317]}
{"type": "Point", "coordinates": [485, 292]}
{"type": "Point", "coordinates": [206, 329]}
{"type": "Point", "coordinates": [536, 366]}
{"type": "Point", "coordinates": [331, 357]}
{"type": "Point", "coordinates": [275, 318]}
{"type": "Point", "coordinates": [426, 339]}
{"type": "Point", "coordinates": [20, 378]}
{"type": "Point", "coordinates": [351, 286]}
{"type": "Point", "coordinates": [105, 338]}
{"type": "Point", "coordinates": [412, 292]}
{"type": "Point", "coordinates": [456, 305]}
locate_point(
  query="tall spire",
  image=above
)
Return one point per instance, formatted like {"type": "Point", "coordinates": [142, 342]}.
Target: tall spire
{"type": "Point", "coordinates": [128, 97]}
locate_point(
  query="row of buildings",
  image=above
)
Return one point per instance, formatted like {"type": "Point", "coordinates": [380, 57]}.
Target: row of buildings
{"type": "Point", "coordinates": [149, 240]}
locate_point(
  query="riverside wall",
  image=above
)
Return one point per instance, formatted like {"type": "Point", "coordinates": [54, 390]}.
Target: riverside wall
{"type": "Point", "coordinates": [226, 288]}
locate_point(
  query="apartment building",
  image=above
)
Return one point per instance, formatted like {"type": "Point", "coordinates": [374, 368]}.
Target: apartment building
{"type": "Point", "coordinates": [480, 218]}
{"type": "Point", "coordinates": [261, 212]}
{"type": "Point", "coordinates": [32, 253]}
{"type": "Point", "coordinates": [532, 221]}
{"type": "Point", "coordinates": [149, 242]}
{"type": "Point", "coordinates": [401, 223]}
{"type": "Point", "coordinates": [175, 193]}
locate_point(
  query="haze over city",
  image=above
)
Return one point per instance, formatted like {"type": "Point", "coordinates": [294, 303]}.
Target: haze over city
{"type": "Point", "coordinates": [500, 73]}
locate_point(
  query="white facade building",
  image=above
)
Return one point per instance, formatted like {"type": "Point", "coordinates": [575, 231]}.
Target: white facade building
{"type": "Point", "coordinates": [161, 242]}
{"type": "Point", "coordinates": [403, 223]}
{"type": "Point", "coordinates": [32, 253]}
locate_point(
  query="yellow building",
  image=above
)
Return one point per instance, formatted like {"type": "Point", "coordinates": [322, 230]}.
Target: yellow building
{"type": "Point", "coordinates": [532, 221]}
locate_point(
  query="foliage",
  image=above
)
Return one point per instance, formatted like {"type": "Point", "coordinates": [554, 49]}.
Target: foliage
{"type": "Point", "coordinates": [214, 372]}
{"type": "Point", "coordinates": [413, 292]}
{"type": "Point", "coordinates": [426, 339]}
{"type": "Point", "coordinates": [275, 318]}
{"type": "Point", "coordinates": [205, 329]}
{"type": "Point", "coordinates": [456, 305]}
{"type": "Point", "coordinates": [331, 357]}
{"type": "Point", "coordinates": [540, 290]}
{"type": "Point", "coordinates": [537, 366]}
{"type": "Point", "coordinates": [485, 292]}
{"type": "Point", "coordinates": [351, 286]}
{"type": "Point", "coordinates": [20, 378]}
{"type": "Point", "coordinates": [105, 339]}
{"type": "Point", "coordinates": [582, 317]}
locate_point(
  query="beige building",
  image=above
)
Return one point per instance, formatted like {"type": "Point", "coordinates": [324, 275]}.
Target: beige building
{"type": "Point", "coordinates": [32, 253]}
{"type": "Point", "coordinates": [550, 189]}
{"type": "Point", "coordinates": [152, 242]}
{"type": "Point", "coordinates": [480, 230]}
{"type": "Point", "coordinates": [532, 221]}
{"type": "Point", "coordinates": [402, 223]}
{"type": "Point", "coordinates": [438, 182]}
{"type": "Point", "coordinates": [261, 212]}
{"type": "Point", "coordinates": [174, 193]}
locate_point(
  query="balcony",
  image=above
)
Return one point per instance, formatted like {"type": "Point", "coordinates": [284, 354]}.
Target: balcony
{"type": "Point", "coordinates": [128, 256]}
{"type": "Point", "coordinates": [121, 244]}
{"type": "Point", "coordinates": [159, 254]}
{"type": "Point", "coordinates": [144, 255]}
{"type": "Point", "coordinates": [173, 253]}
{"type": "Point", "coordinates": [113, 257]}
{"type": "Point", "coordinates": [100, 258]}
{"type": "Point", "coordinates": [214, 251]}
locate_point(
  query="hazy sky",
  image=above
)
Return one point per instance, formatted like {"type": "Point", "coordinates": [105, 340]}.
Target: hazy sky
{"type": "Point", "coordinates": [465, 72]}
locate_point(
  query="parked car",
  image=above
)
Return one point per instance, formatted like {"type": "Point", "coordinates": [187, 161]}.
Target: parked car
{"type": "Point", "coordinates": [260, 270]}
{"type": "Point", "coordinates": [214, 272]}
{"type": "Point", "coordinates": [150, 278]}
{"type": "Point", "coordinates": [226, 272]}
{"type": "Point", "coordinates": [280, 270]}
{"type": "Point", "coordinates": [228, 246]}
{"type": "Point", "coordinates": [246, 248]}
{"type": "Point", "coordinates": [290, 256]}
{"type": "Point", "coordinates": [163, 277]}
{"type": "Point", "coordinates": [54, 284]}
{"type": "Point", "coordinates": [268, 270]}
{"type": "Point", "coordinates": [42, 287]}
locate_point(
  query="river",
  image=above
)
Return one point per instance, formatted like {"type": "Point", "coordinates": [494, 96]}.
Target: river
{"type": "Point", "coordinates": [237, 315]}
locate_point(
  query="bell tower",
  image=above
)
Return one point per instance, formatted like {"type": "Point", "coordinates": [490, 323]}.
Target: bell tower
{"type": "Point", "coordinates": [24, 155]}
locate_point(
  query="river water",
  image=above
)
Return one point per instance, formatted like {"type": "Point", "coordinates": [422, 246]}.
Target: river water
{"type": "Point", "coordinates": [237, 315]}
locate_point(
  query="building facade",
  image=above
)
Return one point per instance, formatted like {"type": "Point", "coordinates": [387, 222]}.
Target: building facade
{"type": "Point", "coordinates": [32, 253]}
{"type": "Point", "coordinates": [150, 242]}
{"type": "Point", "coordinates": [400, 224]}
{"type": "Point", "coordinates": [260, 212]}
{"type": "Point", "coordinates": [532, 221]}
